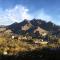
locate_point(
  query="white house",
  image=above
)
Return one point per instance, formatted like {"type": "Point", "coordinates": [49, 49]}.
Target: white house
{"type": "Point", "coordinates": [13, 37]}
{"type": "Point", "coordinates": [5, 53]}
{"type": "Point", "coordinates": [41, 42]}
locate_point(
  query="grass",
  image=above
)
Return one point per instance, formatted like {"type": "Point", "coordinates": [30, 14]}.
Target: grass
{"type": "Point", "coordinates": [2, 40]}
{"type": "Point", "coordinates": [13, 46]}
{"type": "Point", "coordinates": [38, 54]}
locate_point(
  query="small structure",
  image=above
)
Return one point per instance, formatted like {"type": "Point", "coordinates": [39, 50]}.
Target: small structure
{"type": "Point", "coordinates": [44, 43]}
{"type": "Point", "coordinates": [5, 53]}
{"type": "Point", "coordinates": [40, 42]}
{"type": "Point", "coordinates": [13, 37]}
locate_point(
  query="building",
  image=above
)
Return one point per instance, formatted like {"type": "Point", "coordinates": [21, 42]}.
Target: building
{"type": "Point", "coordinates": [5, 53]}
{"type": "Point", "coordinates": [40, 42]}
{"type": "Point", "coordinates": [14, 36]}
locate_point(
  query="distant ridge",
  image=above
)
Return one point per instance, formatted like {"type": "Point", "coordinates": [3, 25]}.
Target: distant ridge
{"type": "Point", "coordinates": [29, 27]}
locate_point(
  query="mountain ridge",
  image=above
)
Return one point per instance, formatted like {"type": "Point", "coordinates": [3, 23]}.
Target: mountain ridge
{"type": "Point", "coordinates": [29, 27]}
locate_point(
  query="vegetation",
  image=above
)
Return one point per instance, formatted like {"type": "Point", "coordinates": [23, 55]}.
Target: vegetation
{"type": "Point", "coordinates": [13, 46]}
{"type": "Point", "coordinates": [36, 42]}
{"type": "Point", "coordinates": [38, 54]}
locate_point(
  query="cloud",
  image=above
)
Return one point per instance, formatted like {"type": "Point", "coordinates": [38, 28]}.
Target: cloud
{"type": "Point", "coordinates": [41, 14]}
{"type": "Point", "coordinates": [16, 14]}
{"type": "Point", "coordinates": [19, 13]}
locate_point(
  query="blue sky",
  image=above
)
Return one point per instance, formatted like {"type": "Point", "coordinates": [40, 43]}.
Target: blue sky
{"type": "Point", "coordinates": [17, 10]}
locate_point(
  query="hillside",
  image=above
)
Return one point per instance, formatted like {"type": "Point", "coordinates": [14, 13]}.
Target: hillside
{"type": "Point", "coordinates": [30, 26]}
{"type": "Point", "coordinates": [28, 36]}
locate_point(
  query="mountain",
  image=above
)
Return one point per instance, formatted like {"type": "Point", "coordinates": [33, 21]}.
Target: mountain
{"type": "Point", "coordinates": [18, 27]}
{"type": "Point", "coordinates": [49, 26]}
{"type": "Point", "coordinates": [33, 27]}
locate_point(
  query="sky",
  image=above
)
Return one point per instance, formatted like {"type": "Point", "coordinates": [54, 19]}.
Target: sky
{"type": "Point", "coordinates": [17, 10]}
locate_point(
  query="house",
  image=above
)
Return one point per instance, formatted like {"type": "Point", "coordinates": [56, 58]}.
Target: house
{"type": "Point", "coordinates": [5, 53]}
{"type": "Point", "coordinates": [40, 42]}
{"type": "Point", "coordinates": [44, 43]}
{"type": "Point", "coordinates": [14, 36]}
